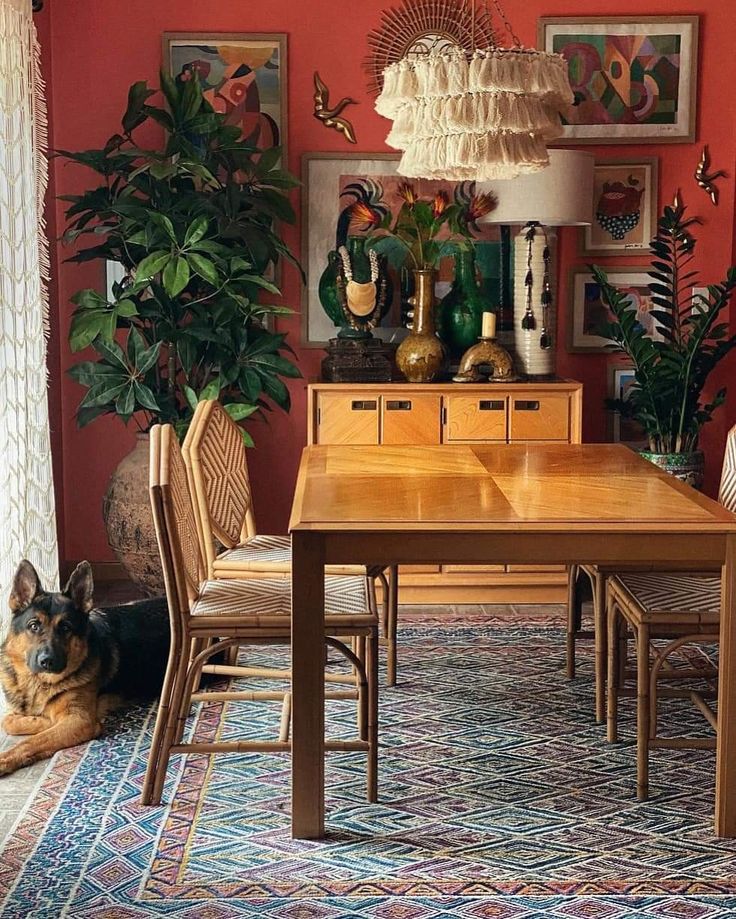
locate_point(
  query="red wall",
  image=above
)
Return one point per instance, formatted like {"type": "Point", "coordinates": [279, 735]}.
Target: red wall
{"type": "Point", "coordinates": [94, 50]}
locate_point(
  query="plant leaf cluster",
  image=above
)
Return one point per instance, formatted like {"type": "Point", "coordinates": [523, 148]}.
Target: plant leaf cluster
{"type": "Point", "coordinates": [667, 397]}
{"type": "Point", "coordinates": [193, 223]}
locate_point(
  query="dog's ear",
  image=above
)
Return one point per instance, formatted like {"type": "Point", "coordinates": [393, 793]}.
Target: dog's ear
{"type": "Point", "coordinates": [80, 586]}
{"type": "Point", "coordinates": [26, 587]}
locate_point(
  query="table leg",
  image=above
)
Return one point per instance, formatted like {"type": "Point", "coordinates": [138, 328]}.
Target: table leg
{"type": "Point", "coordinates": [308, 700]}
{"type": "Point", "coordinates": [726, 748]}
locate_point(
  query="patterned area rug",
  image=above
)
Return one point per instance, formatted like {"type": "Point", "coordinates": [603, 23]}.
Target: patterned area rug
{"type": "Point", "coordinates": [500, 799]}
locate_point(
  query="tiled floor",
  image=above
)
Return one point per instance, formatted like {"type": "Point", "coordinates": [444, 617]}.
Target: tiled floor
{"type": "Point", "coordinates": [16, 789]}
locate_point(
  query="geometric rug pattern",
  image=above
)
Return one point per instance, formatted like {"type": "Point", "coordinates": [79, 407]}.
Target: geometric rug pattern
{"type": "Point", "coordinates": [499, 799]}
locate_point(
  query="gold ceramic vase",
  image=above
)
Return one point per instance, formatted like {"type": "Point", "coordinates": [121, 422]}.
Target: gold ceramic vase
{"type": "Point", "coordinates": [419, 356]}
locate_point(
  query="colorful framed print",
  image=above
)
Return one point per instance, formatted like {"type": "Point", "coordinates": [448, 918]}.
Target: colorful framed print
{"type": "Point", "coordinates": [243, 76]}
{"type": "Point", "coordinates": [634, 78]}
{"type": "Point", "coordinates": [339, 191]}
{"type": "Point", "coordinates": [589, 313]}
{"type": "Point", "coordinates": [623, 430]}
{"type": "Point", "coordinates": [624, 207]}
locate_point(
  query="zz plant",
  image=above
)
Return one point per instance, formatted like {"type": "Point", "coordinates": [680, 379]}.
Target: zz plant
{"type": "Point", "coordinates": [192, 224]}
{"type": "Point", "coordinates": [667, 397]}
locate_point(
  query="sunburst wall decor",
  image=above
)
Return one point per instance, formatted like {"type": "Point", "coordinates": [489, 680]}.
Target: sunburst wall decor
{"type": "Point", "coordinates": [419, 27]}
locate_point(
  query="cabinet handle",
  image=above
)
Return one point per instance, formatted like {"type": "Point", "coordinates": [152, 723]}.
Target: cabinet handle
{"type": "Point", "coordinates": [364, 405]}
{"type": "Point", "coordinates": [491, 405]}
{"type": "Point", "coordinates": [399, 405]}
{"type": "Point", "coordinates": [526, 405]}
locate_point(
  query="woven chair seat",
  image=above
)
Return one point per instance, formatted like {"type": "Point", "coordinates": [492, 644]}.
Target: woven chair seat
{"type": "Point", "coordinates": [687, 599]}
{"type": "Point", "coordinates": [344, 596]}
{"type": "Point", "coordinates": [271, 555]}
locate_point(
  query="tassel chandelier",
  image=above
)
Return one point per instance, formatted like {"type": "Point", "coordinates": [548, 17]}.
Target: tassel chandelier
{"type": "Point", "coordinates": [480, 114]}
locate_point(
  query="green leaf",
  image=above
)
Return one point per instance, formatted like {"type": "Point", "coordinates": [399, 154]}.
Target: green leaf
{"type": "Point", "coordinates": [86, 415]}
{"type": "Point", "coordinates": [126, 308]}
{"type": "Point", "coordinates": [176, 276]}
{"type": "Point", "coordinates": [196, 231]}
{"type": "Point", "coordinates": [104, 393]}
{"type": "Point", "coordinates": [151, 265]}
{"type": "Point", "coordinates": [89, 300]}
{"type": "Point", "coordinates": [125, 402]}
{"type": "Point", "coordinates": [145, 397]}
{"type": "Point", "coordinates": [166, 225]}
{"type": "Point", "coordinates": [247, 439]}
{"type": "Point", "coordinates": [191, 397]}
{"type": "Point", "coordinates": [204, 268]}
{"type": "Point", "coordinates": [86, 326]}
{"type": "Point", "coordinates": [211, 390]}
{"type": "Point", "coordinates": [240, 410]}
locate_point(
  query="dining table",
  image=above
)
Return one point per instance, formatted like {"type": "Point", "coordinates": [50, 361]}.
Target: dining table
{"type": "Point", "coordinates": [526, 504]}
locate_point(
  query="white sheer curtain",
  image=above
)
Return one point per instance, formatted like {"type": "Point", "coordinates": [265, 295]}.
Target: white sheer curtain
{"type": "Point", "coordinates": [27, 521]}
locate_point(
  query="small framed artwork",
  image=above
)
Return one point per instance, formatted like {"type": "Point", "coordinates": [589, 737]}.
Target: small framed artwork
{"type": "Point", "coordinates": [243, 76]}
{"type": "Point", "coordinates": [623, 430]}
{"type": "Point", "coordinates": [589, 313]}
{"type": "Point", "coordinates": [634, 78]}
{"type": "Point", "coordinates": [624, 207]}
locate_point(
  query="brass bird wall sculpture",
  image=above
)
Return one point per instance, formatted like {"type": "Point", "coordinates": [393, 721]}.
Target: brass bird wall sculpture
{"type": "Point", "coordinates": [331, 117]}
{"type": "Point", "coordinates": [705, 179]}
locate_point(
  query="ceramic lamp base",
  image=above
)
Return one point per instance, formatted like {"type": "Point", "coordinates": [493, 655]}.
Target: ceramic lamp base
{"type": "Point", "coordinates": [532, 358]}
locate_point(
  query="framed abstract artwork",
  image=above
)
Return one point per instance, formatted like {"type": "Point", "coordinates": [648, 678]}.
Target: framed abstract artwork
{"type": "Point", "coordinates": [623, 430]}
{"type": "Point", "coordinates": [624, 207]}
{"type": "Point", "coordinates": [340, 192]}
{"type": "Point", "coordinates": [589, 313]}
{"type": "Point", "coordinates": [243, 76]}
{"type": "Point", "coordinates": [634, 78]}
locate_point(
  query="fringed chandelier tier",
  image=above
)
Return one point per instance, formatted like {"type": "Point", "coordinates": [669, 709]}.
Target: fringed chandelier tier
{"type": "Point", "coordinates": [483, 115]}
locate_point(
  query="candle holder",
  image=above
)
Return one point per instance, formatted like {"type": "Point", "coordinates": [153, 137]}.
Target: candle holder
{"type": "Point", "coordinates": [486, 360]}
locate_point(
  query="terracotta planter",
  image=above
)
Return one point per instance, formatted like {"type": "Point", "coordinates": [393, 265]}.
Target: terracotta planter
{"type": "Point", "coordinates": [689, 467]}
{"type": "Point", "coordinates": [420, 355]}
{"type": "Point", "coordinates": [126, 509]}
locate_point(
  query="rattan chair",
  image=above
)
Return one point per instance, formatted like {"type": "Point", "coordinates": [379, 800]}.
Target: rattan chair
{"type": "Point", "coordinates": [210, 616]}
{"type": "Point", "coordinates": [215, 455]}
{"type": "Point", "coordinates": [681, 608]}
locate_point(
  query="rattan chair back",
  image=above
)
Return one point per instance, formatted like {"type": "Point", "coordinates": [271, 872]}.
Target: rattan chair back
{"type": "Point", "coordinates": [727, 490]}
{"type": "Point", "coordinates": [215, 455]}
{"type": "Point", "coordinates": [178, 526]}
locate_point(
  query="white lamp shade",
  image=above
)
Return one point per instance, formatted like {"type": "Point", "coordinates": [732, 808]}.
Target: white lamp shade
{"type": "Point", "coordinates": [559, 196]}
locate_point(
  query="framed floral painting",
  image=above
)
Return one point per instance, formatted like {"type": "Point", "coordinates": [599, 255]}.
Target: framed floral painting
{"type": "Point", "coordinates": [589, 313]}
{"type": "Point", "coordinates": [243, 76]}
{"type": "Point", "coordinates": [345, 195]}
{"type": "Point", "coordinates": [624, 207]}
{"type": "Point", "coordinates": [634, 77]}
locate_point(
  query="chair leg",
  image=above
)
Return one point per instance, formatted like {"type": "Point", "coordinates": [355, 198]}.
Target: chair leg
{"type": "Point", "coordinates": [392, 617]}
{"type": "Point", "coordinates": [372, 736]}
{"type": "Point", "coordinates": [642, 712]}
{"type": "Point", "coordinates": [177, 692]}
{"type": "Point", "coordinates": [162, 715]}
{"type": "Point", "coordinates": [600, 629]}
{"type": "Point", "coordinates": [572, 578]}
{"type": "Point", "coordinates": [614, 648]}
{"type": "Point", "coordinates": [360, 653]}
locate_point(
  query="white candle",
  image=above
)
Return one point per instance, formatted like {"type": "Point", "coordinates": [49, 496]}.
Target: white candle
{"type": "Point", "coordinates": [489, 325]}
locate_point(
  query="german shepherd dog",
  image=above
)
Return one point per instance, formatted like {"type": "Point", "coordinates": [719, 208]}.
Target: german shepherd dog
{"type": "Point", "coordinates": [65, 664]}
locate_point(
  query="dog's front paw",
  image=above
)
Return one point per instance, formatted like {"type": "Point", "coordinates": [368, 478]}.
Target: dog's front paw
{"type": "Point", "coordinates": [8, 764]}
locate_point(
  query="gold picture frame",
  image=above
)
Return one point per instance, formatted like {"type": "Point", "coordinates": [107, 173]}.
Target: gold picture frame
{"type": "Point", "coordinates": [637, 118]}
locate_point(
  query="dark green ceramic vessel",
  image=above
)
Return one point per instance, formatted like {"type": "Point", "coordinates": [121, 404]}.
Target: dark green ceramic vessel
{"type": "Point", "coordinates": [460, 312]}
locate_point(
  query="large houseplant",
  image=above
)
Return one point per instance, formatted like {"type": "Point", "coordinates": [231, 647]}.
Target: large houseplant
{"type": "Point", "coordinates": [671, 374]}
{"type": "Point", "coordinates": [192, 223]}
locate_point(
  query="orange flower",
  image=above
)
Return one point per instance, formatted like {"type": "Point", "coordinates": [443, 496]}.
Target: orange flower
{"type": "Point", "coordinates": [439, 204]}
{"type": "Point", "coordinates": [407, 192]}
{"type": "Point", "coordinates": [480, 205]}
{"type": "Point", "coordinates": [360, 211]}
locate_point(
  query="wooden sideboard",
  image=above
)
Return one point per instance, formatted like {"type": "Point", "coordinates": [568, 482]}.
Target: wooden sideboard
{"type": "Point", "coordinates": [447, 413]}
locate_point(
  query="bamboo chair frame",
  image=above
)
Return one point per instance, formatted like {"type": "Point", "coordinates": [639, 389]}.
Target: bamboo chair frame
{"type": "Point", "coordinates": [598, 576]}
{"type": "Point", "coordinates": [623, 614]}
{"type": "Point", "coordinates": [196, 639]}
{"type": "Point", "coordinates": [224, 511]}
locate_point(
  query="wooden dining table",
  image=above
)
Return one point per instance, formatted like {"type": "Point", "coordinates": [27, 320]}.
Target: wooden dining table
{"type": "Point", "coordinates": [531, 504]}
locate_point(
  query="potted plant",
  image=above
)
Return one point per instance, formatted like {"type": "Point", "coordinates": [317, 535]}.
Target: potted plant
{"type": "Point", "coordinates": [421, 234]}
{"type": "Point", "coordinates": [192, 224]}
{"type": "Point", "coordinates": [667, 397]}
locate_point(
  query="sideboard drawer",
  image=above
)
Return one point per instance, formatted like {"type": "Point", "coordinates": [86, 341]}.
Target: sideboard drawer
{"type": "Point", "coordinates": [348, 418]}
{"type": "Point", "coordinates": [479, 417]}
{"type": "Point", "coordinates": [539, 416]}
{"type": "Point", "coordinates": [411, 418]}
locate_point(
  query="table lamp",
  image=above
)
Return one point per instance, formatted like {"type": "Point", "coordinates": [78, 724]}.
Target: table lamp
{"type": "Point", "coordinates": [559, 196]}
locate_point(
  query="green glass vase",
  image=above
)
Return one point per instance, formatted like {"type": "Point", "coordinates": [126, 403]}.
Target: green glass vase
{"type": "Point", "coordinates": [460, 312]}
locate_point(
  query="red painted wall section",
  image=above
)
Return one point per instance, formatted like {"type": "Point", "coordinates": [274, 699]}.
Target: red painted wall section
{"type": "Point", "coordinates": [96, 50]}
